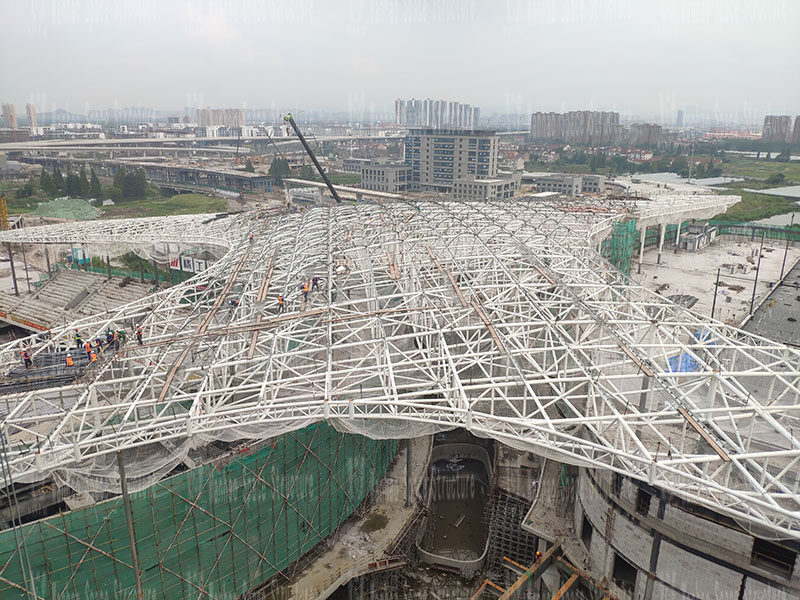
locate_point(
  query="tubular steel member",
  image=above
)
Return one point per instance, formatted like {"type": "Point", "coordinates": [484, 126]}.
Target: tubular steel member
{"type": "Point", "coordinates": [310, 152]}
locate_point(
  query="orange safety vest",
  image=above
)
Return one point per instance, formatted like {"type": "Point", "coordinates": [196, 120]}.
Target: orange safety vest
{"type": "Point", "coordinates": [93, 357]}
{"type": "Point", "coordinates": [88, 346]}
{"type": "Point", "coordinates": [25, 355]}
{"type": "Point", "coordinates": [280, 299]}
{"type": "Point", "coordinates": [70, 362]}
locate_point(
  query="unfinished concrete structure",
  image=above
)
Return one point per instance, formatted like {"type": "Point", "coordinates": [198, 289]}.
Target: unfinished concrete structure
{"type": "Point", "coordinates": [497, 317]}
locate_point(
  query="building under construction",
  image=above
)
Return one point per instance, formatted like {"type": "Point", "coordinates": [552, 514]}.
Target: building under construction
{"type": "Point", "coordinates": [643, 451]}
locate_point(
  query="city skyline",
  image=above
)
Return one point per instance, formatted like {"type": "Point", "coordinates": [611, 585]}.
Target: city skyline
{"type": "Point", "coordinates": [358, 57]}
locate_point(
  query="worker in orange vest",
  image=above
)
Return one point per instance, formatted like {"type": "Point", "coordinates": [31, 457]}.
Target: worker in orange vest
{"type": "Point", "coordinates": [139, 334]}
{"type": "Point", "coordinates": [281, 304]}
{"type": "Point", "coordinates": [88, 347]}
{"type": "Point", "coordinates": [70, 362]}
{"type": "Point", "coordinates": [26, 357]}
{"type": "Point", "coordinates": [305, 291]}
{"type": "Point", "coordinates": [92, 356]}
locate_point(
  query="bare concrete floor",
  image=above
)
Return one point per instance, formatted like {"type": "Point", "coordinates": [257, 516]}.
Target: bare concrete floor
{"type": "Point", "coordinates": [368, 538]}
{"type": "Point", "coordinates": [694, 274]}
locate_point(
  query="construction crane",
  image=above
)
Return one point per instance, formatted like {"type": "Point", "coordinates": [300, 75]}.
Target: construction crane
{"type": "Point", "coordinates": [288, 118]}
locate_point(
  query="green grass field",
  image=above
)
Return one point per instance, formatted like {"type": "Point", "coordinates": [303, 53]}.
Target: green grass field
{"type": "Point", "coordinates": [739, 166]}
{"type": "Point", "coordinates": [180, 204]}
{"type": "Point", "coordinates": [755, 206]}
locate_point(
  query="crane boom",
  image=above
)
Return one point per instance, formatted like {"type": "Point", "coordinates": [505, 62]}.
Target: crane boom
{"type": "Point", "coordinates": [310, 152]}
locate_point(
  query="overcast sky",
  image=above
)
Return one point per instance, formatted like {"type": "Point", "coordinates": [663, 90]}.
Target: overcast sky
{"type": "Point", "coordinates": [640, 57]}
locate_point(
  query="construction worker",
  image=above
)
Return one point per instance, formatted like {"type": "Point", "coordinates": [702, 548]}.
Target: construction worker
{"type": "Point", "coordinates": [109, 336]}
{"type": "Point", "coordinates": [251, 238]}
{"type": "Point", "coordinates": [26, 357]}
{"type": "Point", "coordinates": [123, 337]}
{"type": "Point", "coordinates": [537, 556]}
{"type": "Point", "coordinates": [78, 339]}
{"type": "Point", "coordinates": [315, 282]}
{"type": "Point", "coordinates": [281, 304]}
{"type": "Point", "coordinates": [69, 361]}
{"type": "Point", "coordinates": [98, 342]}
{"type": "Point", "coordinates": [234, 303]}
{"type": "Point", "coordinates": [88, 347]}
{"type": "Point", "coordinates": [305, 291]}
{"type": "Point", "coordinates": [139, 334]}
{"type": "Point", "coordinates": [115, 339]}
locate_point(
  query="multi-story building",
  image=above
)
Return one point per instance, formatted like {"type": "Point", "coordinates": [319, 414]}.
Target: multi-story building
{"type": "Point", "coordinates": [577, 127]}
{"type": "Point", "coordinates": [438, 114]}
{"type": "Point", "coordinates": [570, 185]}
{"type": "Point", "coordinates": [644, 134]}
{"type": "Point", "coordinates": [221, 117]}
{"type": "Point", "coordinates": [462, 163]}
{"type": "Point", "coordinates": [485, 189]}
{"type": "Point", "coordinates": [386, 178]}
{"type": "Point", "coordinates": [776, 128]}
{"type": "Point", "coordinates": [31, 110]}
{"type": "Point", "coordinates": [354, 165]}
{"type": "Point", "coordinates": [440, 157]}
{"type": "Point", "coordinates": [10, 115]}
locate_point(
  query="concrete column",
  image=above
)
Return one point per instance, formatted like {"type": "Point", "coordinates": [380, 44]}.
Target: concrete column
{"type": "Point", "coordinates": [408, 472]}
{"type": "Point", "coordinates": [678, 234]}
{"type": "Point", "coordinates": [126, 503]}
{"type": "Point", "coordinates": [141, 270]}
{"type": "Point", "coordinates": [663, 227]}
{"type": "Point", "coordinates": [641, 248]}
{"type": "Point", "coordinates": [13, 272]}
{"type": "Point", "coordinates": [108, 264]}
{"type": "Point", "coordinates": [155, 272]}
{"type": "Point", "coordinates": [47, 258]}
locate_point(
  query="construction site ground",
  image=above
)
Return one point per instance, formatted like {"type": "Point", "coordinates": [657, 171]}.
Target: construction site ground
{"type": "Point", "coordinates": [366, 540]}
{"type": "Point", "coordinates": [695, 273]}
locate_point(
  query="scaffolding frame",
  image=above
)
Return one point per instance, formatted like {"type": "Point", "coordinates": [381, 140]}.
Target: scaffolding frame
{"type": "Point", "coordinates": [498, 317]}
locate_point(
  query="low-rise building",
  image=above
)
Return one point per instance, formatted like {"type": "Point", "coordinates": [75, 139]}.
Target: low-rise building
{"type": "Point", "coordinates": [490, 188]}
{"type": "Point", "coordinates": [569, 185]}
{"type": "Point", "coordinates": [354, 165]}
{"type": "Point", "coordinates": [386, 178]}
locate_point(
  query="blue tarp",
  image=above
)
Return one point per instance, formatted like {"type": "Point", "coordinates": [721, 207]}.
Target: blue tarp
{"type": "Point", "coordinates": [683, 363]}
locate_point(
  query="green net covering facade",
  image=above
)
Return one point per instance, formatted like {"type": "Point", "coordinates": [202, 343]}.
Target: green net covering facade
{"type": "Point", "coordinates": [213, 532]}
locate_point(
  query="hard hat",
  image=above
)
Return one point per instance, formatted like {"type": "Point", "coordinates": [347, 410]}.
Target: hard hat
{"type": "Point", "coordinates": [69, 355]}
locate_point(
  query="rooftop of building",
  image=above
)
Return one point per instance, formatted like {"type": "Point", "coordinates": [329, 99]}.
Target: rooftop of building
{"type": "Point", "coordinates": [453, 132]}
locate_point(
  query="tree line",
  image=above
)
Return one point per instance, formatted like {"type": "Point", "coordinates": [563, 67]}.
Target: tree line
{"type": "Point", "coordinates": [127, 185]}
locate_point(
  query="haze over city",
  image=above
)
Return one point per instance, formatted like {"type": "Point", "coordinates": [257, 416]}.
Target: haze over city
{"type": "Point", "coordinates": [647, 60]}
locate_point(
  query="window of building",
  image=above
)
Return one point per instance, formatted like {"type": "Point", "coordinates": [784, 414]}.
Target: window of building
{"type": "Point", "coordinates": [773, 557]}
{"type": "Point", "coordinates": [616, 484]}
{"type": "Point", "coordinates": [642, 502]}
{"type": "Point", "coordinates": [624, 574]}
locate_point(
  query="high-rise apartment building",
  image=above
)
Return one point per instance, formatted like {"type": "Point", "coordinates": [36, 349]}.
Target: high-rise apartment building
{"type": "Point", "coordinates": [10, 115]}
{"type": "Point", "coordinates": [220, 117]}
{"type": "Point", "coordinates": [796, 130]}
{"type": "Point", "coordinates": [577, 126]}
{"type": "Point", "coordinates": [31, 110]}
{"type": "Point", "coordinates": [644, 134]}
{"type": "Point", "coordinates": [437, 114]}
{"type": "Point", "coordinates": [777, 128]}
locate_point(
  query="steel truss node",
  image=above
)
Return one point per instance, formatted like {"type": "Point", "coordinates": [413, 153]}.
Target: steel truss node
{"type": "Point", "coordinates": [499, 317]}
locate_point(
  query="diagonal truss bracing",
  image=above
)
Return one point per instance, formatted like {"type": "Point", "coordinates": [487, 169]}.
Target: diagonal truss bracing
{"type": "Point", "coordinates": [501, 318]}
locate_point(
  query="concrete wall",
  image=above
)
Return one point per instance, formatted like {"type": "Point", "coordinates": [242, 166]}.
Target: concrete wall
{"type": "Point", "coordinates": [677, 554]}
